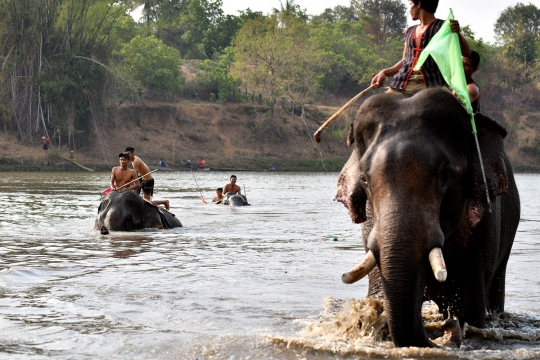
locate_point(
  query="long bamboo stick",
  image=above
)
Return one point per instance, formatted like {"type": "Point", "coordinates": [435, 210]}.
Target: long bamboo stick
{"type": "Point", "coordinates": [317, 134]}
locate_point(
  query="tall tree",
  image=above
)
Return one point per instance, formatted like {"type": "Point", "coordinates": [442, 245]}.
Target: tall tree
{"type": "Point", "coordinates": [269, 56]}
{"type": "Point", "coordinates": [386, 18]}
{"type": "Point", "coordinates": [148, 9]}
{"type": "Point", "coordinates": [518, 28]}
{"type": "Point", "coordinates": [197, 28]}
{"type": "Point", "coordinates": [290, 8]}
{"type": "Point", "coordinates": [55, 53]}
{"type": "Point", "coordinates": [153, 63]}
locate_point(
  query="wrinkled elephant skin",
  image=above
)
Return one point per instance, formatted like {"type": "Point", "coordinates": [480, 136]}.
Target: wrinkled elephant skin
{"type": "Point", "coordinates": [125, 211]}
{"type": "Point", "coordinates": [234, 200]}
{"type": "Point", "coordinates": [414, 179]}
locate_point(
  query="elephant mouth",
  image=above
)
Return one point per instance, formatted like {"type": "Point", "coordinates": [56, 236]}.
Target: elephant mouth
{"type": "Point", "coordinates": [357, 216]}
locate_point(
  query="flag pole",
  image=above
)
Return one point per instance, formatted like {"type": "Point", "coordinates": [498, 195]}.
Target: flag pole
{"type": "Point", "coordinates": [481, 162]}
{"type": "Point", "coordinates": [444, 48]}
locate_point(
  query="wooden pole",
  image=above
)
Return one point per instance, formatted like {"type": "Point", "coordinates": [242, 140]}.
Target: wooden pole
{"type": "Point", "coordinates": [317, 134]}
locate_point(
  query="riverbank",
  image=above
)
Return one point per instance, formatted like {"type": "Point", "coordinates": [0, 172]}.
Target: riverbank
{"type": "Point", "coordinates": [230, 137]}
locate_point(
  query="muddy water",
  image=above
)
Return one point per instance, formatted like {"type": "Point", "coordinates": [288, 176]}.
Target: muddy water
{"type": "Point", "coordinates": [234, 283]}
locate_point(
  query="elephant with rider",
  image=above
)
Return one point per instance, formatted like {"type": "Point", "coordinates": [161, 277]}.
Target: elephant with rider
{"type": "Point", "coordinates": [414, 179]}
{"type": "Point", "coordinates": [125, 211]}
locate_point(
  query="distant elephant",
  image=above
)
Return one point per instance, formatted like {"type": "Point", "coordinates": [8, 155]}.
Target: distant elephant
{"type": "Point", "coordinates": [233, 200]}
{"type": "Point", "coordinates": [415, 178]}
{"type": "Point", "coordinates": [124, 211]}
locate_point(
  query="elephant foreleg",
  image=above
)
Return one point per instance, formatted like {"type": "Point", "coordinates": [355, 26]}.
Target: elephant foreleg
{"type": "Point", "coordinates": [497, 288]}
{"type": "Point", "coordinates": [375, 284]}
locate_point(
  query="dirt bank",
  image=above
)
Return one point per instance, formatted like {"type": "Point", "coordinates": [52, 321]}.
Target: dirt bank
{"type": "Point", "coordinates": [233, 136]}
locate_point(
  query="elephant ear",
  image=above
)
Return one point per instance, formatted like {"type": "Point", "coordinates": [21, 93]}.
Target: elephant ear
{"type": "Point", "coordinates": [350, 136]}
{"type": "Point", "coordinates": [490, 137]}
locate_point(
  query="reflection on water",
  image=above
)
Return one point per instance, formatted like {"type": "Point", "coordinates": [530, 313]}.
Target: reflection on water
{"type": "Point", "coordinates": [261, 282]}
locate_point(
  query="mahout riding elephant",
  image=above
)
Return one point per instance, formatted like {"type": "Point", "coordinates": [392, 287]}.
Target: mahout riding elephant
{"type": "Point", "coordinates": [233, 200]}
{"type": "Point", "coordinates": [414, 178]}
{"type": "Point", "coordinates": [124, 211]}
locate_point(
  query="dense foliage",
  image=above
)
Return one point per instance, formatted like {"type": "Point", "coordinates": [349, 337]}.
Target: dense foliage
{"type": "Point", "coordinates": [67, 64]}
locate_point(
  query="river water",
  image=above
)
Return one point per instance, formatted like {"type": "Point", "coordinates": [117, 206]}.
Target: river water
{"type": "Point", "coordinates": [258, 282]}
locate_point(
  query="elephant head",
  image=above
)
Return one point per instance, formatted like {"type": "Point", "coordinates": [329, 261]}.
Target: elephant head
{"type": "Point", "coordinates": [125, 211]}
{"type": "Point", "coordinates": [234, 200]}
{"type": "Point", "coordinates": [414, 178]}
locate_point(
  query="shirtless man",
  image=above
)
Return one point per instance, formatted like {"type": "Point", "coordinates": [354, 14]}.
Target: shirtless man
{"type": "Point", "coordinates": [232, 187]}
{"type": "Point", "coordinates": [121, 175]}
{"type": "Point", "coordinates": [147, 183]}
{"type": "Point", "coordinates": [219, 195]}
{"type": "Point", "coordinates": [470, 65]}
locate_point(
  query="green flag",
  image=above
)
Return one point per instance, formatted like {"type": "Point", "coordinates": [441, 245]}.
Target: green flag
{"type": "Point", "coordinates": [445, 50]}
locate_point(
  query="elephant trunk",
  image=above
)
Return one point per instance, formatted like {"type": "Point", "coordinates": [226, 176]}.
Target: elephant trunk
{"type": "Point", "coordinates": [403, 281]}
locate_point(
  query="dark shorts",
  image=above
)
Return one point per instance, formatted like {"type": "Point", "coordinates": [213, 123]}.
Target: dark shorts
{"type": "Point", "coordinates": [148, 187]}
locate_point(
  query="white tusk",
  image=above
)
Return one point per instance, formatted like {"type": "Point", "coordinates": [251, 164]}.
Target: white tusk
{"type": "Point", "coordinates": [360, 270]}
{"type": "Point", "coordinates": [436, 260]}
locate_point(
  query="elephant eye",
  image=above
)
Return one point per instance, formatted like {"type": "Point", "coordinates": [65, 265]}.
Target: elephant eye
{"type": "Point", "coordinates": [446, 175]}
{"type": "Point", "coordinates": [364, 181]}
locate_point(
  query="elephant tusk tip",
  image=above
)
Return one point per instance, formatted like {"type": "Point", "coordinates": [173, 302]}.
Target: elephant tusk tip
{"type": "Point", "coordinates": [347, 278]}
{"type": "Point", "coordinates": [441, 275]}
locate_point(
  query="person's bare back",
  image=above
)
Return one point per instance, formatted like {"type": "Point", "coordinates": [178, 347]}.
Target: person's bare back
{"type": "Point", "coordinates": [141, 168]}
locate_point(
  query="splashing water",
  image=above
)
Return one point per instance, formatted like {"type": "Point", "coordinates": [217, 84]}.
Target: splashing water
{"type": "Point", "coordinates": [360, 327]}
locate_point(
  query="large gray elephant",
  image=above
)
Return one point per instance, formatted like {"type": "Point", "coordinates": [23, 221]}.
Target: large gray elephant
{"type": "Point", "coordinates": [415, 178]}
{"type": "Point", "coordinates": [124, 211]}
{"type": "Point", "coordinates": [233, 199]}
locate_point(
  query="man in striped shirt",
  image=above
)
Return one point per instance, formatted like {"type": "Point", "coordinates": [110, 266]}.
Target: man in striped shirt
{"type": "Point", "coordinates": [405, 80]}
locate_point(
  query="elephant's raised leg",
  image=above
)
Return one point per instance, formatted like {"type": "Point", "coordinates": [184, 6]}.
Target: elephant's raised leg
{"type": "Point", "coordinates": [451, 333]}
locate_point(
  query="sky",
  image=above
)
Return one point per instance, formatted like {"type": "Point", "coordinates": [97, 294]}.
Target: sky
{"type": "Point", "coordinates": [480, 15]}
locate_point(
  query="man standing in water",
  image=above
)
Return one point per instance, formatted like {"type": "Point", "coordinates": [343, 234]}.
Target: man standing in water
{"type": "Point", "coordinates": [121, 175]}
{"type": "Point", "coordinates": [232, 187]}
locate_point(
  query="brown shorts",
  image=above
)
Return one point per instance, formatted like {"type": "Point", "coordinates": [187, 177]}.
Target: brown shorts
{"type": "Point", "coordinates": [415, 84]}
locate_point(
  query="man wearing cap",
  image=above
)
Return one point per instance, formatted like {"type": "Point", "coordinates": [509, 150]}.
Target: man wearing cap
{"type": "Point", "coordinates": [147, 183]}
{"type": "Point", "coordinates": [121, 175]}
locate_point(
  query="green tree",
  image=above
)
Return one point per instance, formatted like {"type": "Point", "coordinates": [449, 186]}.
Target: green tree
{"type": "Point", "coordinates": [217, 80]}
{"type": "Point", "coordinates": [290, 8]}
{"type": "Point", "coordinates": [54, 56]}
{"type": "Point", "coordinates": [271, 55]}
{"type": "Point", "coordinates": [338, 13]}
{"type": "Point", "coordinates": [348, 56]}
{"type": "Point", "coordinates": [197, 28]}
{"type": "Point", "coordinates": [386, 18]}
{"type": "Point", "coordinates": [153, 63]}
{"type": "Point", "coordinates": [148, 9]}
{"type": "Point", "coordinates": [518, 29]}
